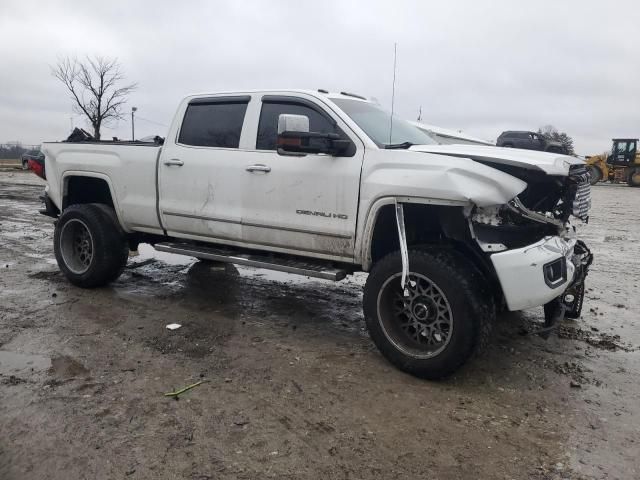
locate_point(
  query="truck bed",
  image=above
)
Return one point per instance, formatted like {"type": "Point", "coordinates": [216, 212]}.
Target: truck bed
{"type": "Point", "coordinates": [129, 168]}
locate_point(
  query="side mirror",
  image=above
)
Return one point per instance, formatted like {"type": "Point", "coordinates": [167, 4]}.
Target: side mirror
{"type": "Point", "coordinates": [294, 138]}
{"type": "Point", "coordinates": [293, 123]}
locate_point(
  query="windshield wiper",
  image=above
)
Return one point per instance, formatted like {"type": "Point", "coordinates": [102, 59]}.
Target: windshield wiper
{"type": "Point", "coordinates": [404, 145]}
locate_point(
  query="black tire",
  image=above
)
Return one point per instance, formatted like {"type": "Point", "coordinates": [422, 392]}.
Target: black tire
{"type": "Point", "coordinates": [633, 180]}
{"type": "Point", "coordinates": [90, 247]}
{"type": "Point", "coordinates": [463, 288]}
{"type": "Point", "coordinates": [595, 174]}
{"type": "Point", "coordinates": [25, 164]}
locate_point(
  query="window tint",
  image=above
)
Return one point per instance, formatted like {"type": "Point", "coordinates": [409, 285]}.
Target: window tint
{"type": "Point", "coordinates": [213, 124]}
{"type": "Point", "coordinates": [268, 126]}
{"type": "Point", "coordinates": [622, 147]}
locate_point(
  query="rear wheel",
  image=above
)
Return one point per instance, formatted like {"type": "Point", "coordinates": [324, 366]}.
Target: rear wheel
{"type": "Point", "coordinates": [595, 174]}
{"type": "Point", "coordinates": [25, 164]}
{"type": "Point", "coordinates": [634, 178]}
{"type": "Point", "coordinates": [435, 327]}
{"type": "Point", "coordinates": [90, 247]}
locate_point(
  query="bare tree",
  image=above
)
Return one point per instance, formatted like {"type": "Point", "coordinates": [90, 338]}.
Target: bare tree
{"type": "Point", "coordinates": [96, 88]}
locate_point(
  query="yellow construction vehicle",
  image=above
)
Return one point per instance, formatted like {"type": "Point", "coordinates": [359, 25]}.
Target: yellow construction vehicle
{"type": "Point", "coordinates": [621, 165]}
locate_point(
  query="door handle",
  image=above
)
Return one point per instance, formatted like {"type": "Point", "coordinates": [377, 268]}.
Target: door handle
{"type": "Point", "coordinates": [258, 168]}
{"type": "Point", "coordinates": [174, 162]}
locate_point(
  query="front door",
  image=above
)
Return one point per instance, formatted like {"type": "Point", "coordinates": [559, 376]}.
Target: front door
{"type": "Point", "coordinates": [302, 203]}
{"type": "Point", "coordinates": [201, 171]}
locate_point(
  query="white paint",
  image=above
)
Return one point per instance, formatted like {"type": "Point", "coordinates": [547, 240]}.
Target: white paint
{"type": "Point", "coordinates": [550, 163]}
{"type": "Point", "coordinates": [521, 276]}
{"type": "Point", "coordinates": [214, 198]}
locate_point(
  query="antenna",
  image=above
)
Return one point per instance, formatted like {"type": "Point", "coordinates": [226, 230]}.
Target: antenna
{"type": "Point", "coordinates": [393, 89]}
{"type": "Point", "coordinates": [420, 114]}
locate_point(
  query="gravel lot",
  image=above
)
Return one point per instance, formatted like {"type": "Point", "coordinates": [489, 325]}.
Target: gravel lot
{"type": "Point", "coordinates": [293, 387]}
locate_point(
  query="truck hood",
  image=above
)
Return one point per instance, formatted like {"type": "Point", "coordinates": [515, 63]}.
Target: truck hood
{"type": "Point", "coordinates": [549, 163]}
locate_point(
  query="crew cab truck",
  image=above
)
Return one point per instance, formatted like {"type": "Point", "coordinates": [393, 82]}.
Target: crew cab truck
{"type": "Point", "coordinates": [327, 184]}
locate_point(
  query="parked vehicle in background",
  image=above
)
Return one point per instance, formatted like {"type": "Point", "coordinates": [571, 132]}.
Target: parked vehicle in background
{"type": "Point", "coordinates": [327, 184]}
{"type": "Point", "coordinates": [34, 155]}
{"type": "Point", "coordinates": [528, 141]}
{"type": "Point", "coordinates": [445, 136]}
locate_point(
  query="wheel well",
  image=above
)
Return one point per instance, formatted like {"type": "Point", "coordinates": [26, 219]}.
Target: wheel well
{"type": "Point", "coordinates": [429, 225]}
{"type": "Point", "coordinates": [424, 225]}
{"type": "Point", "coordinates": [86, 190]}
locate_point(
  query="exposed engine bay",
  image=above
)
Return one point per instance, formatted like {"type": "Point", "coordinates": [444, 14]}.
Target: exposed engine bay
{"type": "Point", "coordinates": [545, 208]}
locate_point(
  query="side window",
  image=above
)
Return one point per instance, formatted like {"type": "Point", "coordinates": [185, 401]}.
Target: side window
{"type": "Point", "coordinates": [268, 125]}
{"type": "Point", "coordinates": [214, 124]}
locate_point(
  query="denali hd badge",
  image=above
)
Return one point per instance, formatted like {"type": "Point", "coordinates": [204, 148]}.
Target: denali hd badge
{"type": "Point", "coordinates": [322, 214]}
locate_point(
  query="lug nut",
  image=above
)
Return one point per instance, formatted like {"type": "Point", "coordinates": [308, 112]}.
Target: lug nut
{"type": "Point", "coordinates": [568, 298]}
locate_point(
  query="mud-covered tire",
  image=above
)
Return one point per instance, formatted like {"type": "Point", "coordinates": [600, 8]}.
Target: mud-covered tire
{"type": "Point", "coordinates": [90, 247]}
{"type": "Point", "coordinates": [595, 174]}
{"type": "Point", "coordinates": [465, 290]}
{"type": "Point", "coordinates": [633, 180]}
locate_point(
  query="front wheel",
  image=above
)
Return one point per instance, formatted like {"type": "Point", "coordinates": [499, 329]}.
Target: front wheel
{"type": "Point", "coordinates": [595, 174]}
{"type": "Point", "coordinates": [90, 247]}
{"type": "Point", "coordinates": [634, 178]}
{"type": "Point", "coordinates": [433, 327]}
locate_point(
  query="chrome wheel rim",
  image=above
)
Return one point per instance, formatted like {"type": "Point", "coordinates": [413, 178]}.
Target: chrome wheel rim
{"type": "Point", "coordinates": [419, 324]}
{"type": "Point", "coordinates": [76, 246]}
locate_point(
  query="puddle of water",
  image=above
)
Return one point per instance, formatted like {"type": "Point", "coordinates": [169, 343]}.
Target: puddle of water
{"type": "Point", "coordinates": [12, 363]}
{"type": "Point", "coordinates": [147, 252]}
{"type": "Point", "coordinates": [276, 276]}
{"type": "Point", "coordinates": [66, 367]}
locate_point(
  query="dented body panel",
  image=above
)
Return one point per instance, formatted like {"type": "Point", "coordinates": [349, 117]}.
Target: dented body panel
{"type": "Point", "coordinates": [549, 163]}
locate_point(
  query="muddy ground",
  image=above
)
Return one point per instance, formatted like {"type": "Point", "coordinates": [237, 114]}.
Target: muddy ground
{"type": "Point", "coordinates": [293, 387]}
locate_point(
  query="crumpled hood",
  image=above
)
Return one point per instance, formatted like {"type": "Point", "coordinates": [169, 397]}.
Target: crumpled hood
{"type": "Point", "coordinates": [550, 163]}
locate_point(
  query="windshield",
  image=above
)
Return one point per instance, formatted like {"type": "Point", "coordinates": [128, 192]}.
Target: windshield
{"type": "Point", "coordinates": [376, 123]}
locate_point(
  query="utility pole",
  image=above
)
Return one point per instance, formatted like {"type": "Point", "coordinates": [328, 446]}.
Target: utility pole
{"type": "Point", "coordinates": [133, 130]}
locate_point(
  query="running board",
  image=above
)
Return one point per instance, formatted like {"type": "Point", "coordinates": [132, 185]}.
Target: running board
{"type": "Point", "coordinates": [297, 266]}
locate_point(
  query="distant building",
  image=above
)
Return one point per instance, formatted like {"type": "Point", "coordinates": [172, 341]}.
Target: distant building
{"type": "Point", "coordinates": [444, 136]}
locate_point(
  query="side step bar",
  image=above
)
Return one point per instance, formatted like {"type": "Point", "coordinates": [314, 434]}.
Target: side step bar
{"type": "Point", "coordinates": [300, 267]}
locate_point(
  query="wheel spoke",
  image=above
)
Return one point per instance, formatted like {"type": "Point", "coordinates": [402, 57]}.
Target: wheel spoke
{"type": "Point", "coordinates": [423, 317]}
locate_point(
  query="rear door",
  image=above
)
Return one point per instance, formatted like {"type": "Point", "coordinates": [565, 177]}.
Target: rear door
{"type": "Point", "coordinates": [302, 203]}
{"type": "Point", "coordinates": [202, 169]}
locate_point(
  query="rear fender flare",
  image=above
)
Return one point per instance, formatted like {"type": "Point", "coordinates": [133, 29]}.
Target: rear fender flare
{"type": "Point", "coordinates": [72, 173]}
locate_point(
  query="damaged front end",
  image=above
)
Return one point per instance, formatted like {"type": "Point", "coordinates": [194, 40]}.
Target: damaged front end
{"type": "Point", "coordinates": [532, 242]}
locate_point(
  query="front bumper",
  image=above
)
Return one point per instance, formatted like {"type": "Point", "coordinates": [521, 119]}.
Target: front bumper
{"type": "Point", "coordinates": [524, 273]}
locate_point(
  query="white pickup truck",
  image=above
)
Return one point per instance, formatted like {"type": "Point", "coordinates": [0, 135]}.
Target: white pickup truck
{"type": "Point", "coordinates": [326, 184]}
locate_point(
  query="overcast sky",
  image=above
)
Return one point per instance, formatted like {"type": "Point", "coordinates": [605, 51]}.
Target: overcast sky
{"type": "Point", "coordinates": [477, 66]}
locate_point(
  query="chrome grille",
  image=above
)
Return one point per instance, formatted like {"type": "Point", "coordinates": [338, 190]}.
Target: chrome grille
{"type": "Point", "coordinates": [581, 202]}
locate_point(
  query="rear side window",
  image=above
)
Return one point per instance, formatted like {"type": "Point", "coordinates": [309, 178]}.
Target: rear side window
{"type": "Point", "coordinates": [268, 126]}
{"type": "Point", "coordinates": [215, 123]}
